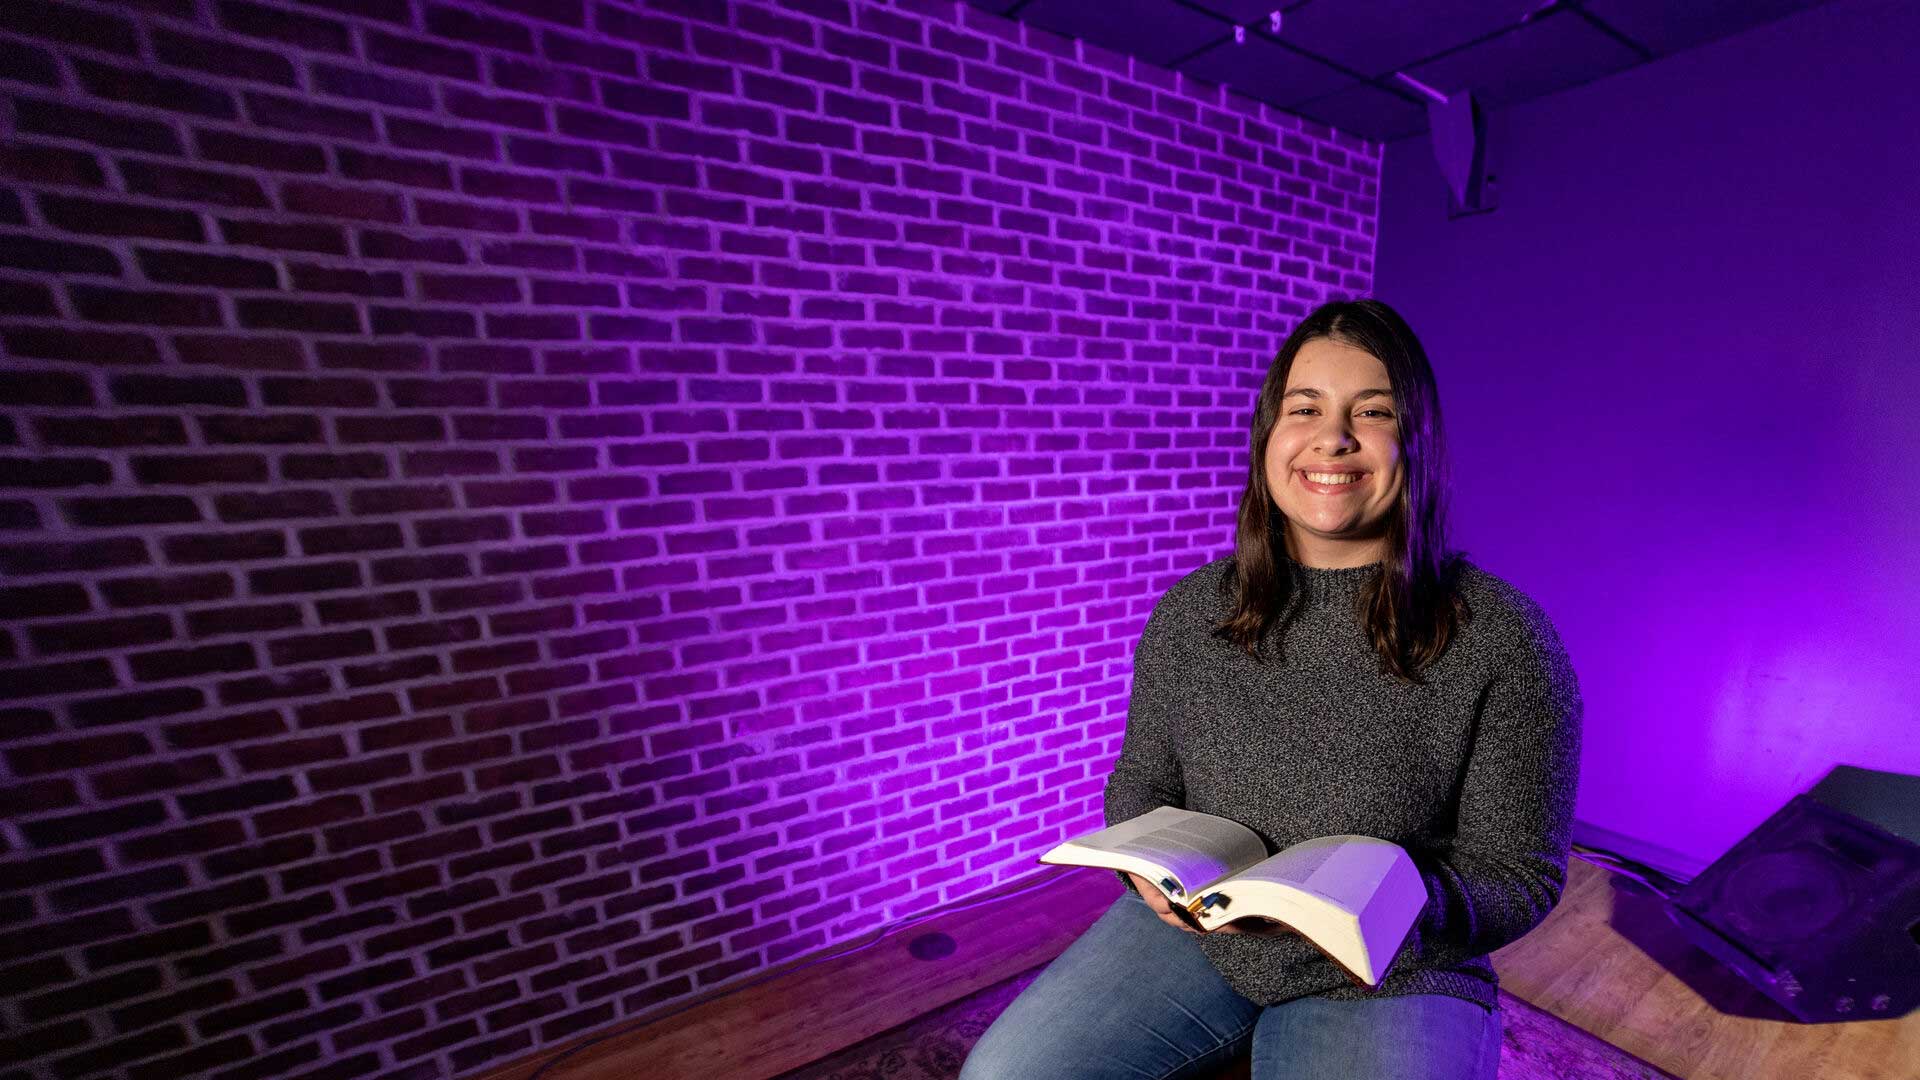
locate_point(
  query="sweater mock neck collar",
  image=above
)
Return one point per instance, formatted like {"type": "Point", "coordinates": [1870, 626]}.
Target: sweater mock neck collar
{"type": "Point", "coordinates": [1320, 586]}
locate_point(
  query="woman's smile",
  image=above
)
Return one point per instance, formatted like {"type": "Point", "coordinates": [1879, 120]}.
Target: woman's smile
{"type": "Point", "coordinates": [1332, 483]}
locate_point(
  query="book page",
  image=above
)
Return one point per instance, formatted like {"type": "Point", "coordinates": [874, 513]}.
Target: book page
{"type": "Point", "coordinates": [1197, 849]}
{"type": "Point", "coordinates": [1342, 870]}
{"type": "Point", "coordinates": [1296, 865]}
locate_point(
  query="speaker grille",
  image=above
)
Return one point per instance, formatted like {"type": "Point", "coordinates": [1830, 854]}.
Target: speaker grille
{"type": "Point", "coordinates": [1787, 896]}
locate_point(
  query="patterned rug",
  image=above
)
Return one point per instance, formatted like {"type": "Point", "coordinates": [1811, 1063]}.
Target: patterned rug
{"type": "Point", "coordinates": [1536, 1046]}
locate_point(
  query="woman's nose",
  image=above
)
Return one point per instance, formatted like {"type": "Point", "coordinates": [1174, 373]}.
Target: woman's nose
{"type": "Point", "coordinates": [1334, 433]}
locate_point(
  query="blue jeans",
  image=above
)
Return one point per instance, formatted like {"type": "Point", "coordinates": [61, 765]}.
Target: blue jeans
{"type": "Point", "coordinates": [1135, 998]}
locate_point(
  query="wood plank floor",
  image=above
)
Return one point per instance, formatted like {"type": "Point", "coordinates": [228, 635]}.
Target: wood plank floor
{"type": "Point", "coordinates": [1606, 960]}
{"type": "Point", "coordinates": [808, 1012]}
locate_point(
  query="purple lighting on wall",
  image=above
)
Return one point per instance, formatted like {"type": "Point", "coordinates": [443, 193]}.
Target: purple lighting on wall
{"type": "Point", "coordinates": [1702, 273]}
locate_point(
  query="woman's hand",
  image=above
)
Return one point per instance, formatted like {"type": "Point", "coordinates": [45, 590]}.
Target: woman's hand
{"type": "Point", "coordinates": [1158, 902]}
{"type": "Point", "coordinates": [1252, 925]}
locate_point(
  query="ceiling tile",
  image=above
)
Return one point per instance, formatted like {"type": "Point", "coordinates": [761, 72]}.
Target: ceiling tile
{"type": "Point", "coordinates": [1548, 54]}
{"type": "Point", "coordinates": [1153, 30]}
{"type": "Point", "coordinates": [1244, 12]}
{"type": "Point", "coordinates": [1666, 27]}
{"type": "Point", "coordinates": [1480, 45]}
{"type": "Point", "coordinates": [1366, 111]}
{"type": "Point", "coordinates": [1263, 70]}
{"type": "Point", "coordinates": [1378, 37]}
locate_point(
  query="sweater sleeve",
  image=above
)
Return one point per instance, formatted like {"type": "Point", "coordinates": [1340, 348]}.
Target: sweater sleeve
{"type": "Point", "coordinates": [1146, 774]}
{"type": "Point", "coordinates": [1505, 866]}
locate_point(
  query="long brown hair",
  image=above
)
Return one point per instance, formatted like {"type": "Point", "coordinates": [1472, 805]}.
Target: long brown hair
{"type": "Point", "coordinates": [1412, 607]}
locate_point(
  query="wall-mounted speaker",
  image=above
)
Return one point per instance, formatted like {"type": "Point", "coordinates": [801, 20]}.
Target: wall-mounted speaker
{"type": "Point", "coordinates": [1458, 129]}
{"type": "Point", "coordinates": [1819, 907]}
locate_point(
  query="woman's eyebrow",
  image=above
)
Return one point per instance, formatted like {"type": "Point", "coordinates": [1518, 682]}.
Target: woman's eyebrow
{"type": "Point", "coordinates": [1308, 391]}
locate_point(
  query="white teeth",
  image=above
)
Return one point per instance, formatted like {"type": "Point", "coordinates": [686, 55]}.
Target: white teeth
{"type": "Point", "coordinates": [1333, 478]}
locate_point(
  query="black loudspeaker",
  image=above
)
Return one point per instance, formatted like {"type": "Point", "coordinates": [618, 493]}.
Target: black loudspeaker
{"type": "Point", "coordinates": [1458, 128]}
{"type": "Point", "coordinates": [1819, 907]}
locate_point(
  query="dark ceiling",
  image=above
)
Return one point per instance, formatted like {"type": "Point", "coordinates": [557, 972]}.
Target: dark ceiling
{"type": "Point", "coordinates": [1337, 61]}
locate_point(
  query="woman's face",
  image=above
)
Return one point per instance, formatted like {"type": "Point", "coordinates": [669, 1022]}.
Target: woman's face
{"type": "Point", "coordinates": [1337, 417]}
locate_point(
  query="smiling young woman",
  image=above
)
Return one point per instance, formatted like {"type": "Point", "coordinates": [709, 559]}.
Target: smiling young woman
{"type": "Point", "coordinates": [1352, 471]}
{"type": "Point", "coordinates": [1407, 695]}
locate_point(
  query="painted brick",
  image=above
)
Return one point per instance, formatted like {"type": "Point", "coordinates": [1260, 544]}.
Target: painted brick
{"type": "Point", "coordinates": [453, 426]}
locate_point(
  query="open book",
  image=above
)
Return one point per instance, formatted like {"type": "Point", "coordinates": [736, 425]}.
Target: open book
{"type": "Point", "coordinates": [1354, 897]}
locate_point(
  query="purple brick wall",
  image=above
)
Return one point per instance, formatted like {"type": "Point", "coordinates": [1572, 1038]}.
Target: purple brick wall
{"type": "Point", "coordinates": [514, 515]}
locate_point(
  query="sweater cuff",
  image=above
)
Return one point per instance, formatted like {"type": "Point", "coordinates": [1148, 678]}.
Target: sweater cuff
{"type": "Point", "coordinates": [1432, 923]}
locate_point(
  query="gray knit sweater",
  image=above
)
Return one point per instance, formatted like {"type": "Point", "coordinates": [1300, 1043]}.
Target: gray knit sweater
{"type": "Point", "coordinates": [1474, 773]}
